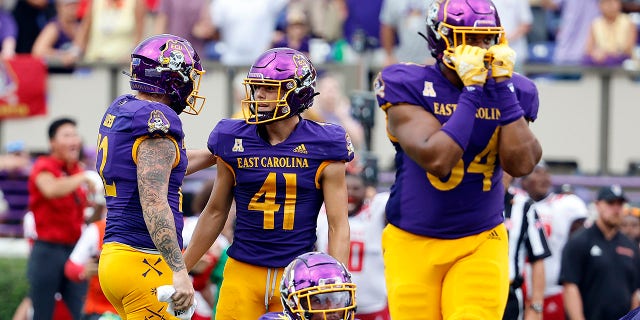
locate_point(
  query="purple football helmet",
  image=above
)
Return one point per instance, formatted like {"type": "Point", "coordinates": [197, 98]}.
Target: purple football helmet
{"type": "Point", "coordinates": [316, 286]}
{"type": "Point", "coordinates": [448, 21]}
{"type": "Point", "coordinates": [288, 70]}
{"type": "Point", "coordinates": [168, 64]}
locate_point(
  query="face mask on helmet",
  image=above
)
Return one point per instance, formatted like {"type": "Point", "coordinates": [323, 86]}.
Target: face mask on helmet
{"type": "Point", "coordinates": [451, 23]}
{"type": "Point", "coordinates": [315, 286]}
{"type": "Point", "coordinates": [167, 64]}
{"type": "Point", "coordinates": [280, 84]}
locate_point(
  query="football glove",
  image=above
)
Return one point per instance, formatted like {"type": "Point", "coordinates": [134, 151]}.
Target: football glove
{"type": "Point", "coordinates": [469, 64]}
{"type": "Point", "coordinates": [503, 58]}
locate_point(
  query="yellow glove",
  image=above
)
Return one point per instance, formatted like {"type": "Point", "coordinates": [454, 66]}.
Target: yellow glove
{"type": "Point", "coordinates": [503, 59]}
{"type": "Point", "coordinates": [469, 64]}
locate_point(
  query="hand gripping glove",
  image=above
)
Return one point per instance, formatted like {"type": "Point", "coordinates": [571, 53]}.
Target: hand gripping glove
{"type": "Point", "coordinates": [502, 60]}
{"type": "Point", "coordinates": [469, 64]}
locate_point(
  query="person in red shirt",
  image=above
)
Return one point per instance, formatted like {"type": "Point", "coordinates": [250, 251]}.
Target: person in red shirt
{"type": "Point", "coordinates": [57, 197]}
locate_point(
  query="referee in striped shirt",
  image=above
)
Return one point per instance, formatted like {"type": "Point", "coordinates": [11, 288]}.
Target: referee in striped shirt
{"type": "Point", "coordinates": [527, 240]}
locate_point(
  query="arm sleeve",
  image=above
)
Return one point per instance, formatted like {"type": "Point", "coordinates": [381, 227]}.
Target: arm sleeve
{"type": "Point", "coordinates": [400, 84]}
{"type": "Point", "coordinates": [340, 147]}
{"type": "Point", "coordinates": [157, 120]}
{"type": "Point", "coordinates": [85, 248]}
{"type": "Point", "coordinates": [214, 138]}
{"type": "Point", "coordinates": [87, 245]}
{"type": "Point", "coordinates": [388, 15]}
{"type": "Point", "coordinates": [527, 94]}
{"type": "Point", "coordinates": [526, 16]}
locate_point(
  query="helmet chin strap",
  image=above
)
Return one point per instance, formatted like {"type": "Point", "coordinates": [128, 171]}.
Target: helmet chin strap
{"type": "Point", "coordinates": [175, 105]}
{"type": "Point", "coordinates": [423, 36]}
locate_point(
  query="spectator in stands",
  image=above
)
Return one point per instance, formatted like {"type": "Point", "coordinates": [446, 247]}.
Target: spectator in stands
{"type": "Point", "coordinates": [400, 22]}
{"type": "Point", "coordinates": [575, 21]}
{"type": "Point", "coordinates": [600, 266]}
{"type": "Point", "coordinates": [325, 17]}
{"type": "Point", "coordinates": [366, 220]}
{"type": "Point", "coordinates": [16, 161]}
{"type": "Point", "coordinates": [55, 43]}
{"type": "Point", "coordinates": [14, 172]}
{"type": "Point", "coordinates": [31, 16]}
{"type": "Point", "coordinates": [244, 28]}
{"type": "Point", "coordinates": [179, 17]}
{"type": "Point", "coordinates": [57, 199]}
{"type": "Point", "coordinates": [296, 34]}
{"type": "Point", "coordinates": [558, 214]}
{"type": "Point", "coordinates": [612, 36]}
{"type": "Point", "coordinates": [361, 30]}
{"type": "Point", "coordinates": [542, 24]}
{"type": "Point", "coordinates": [8, 33]}
{"type": "Point", "coordinates": [516, 18]}
{"type": "Point", "coordinates": [111, 29]}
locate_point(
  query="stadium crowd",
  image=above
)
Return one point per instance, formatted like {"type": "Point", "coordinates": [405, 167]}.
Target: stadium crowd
{"type": "Point", "coordinates": [65, 32]}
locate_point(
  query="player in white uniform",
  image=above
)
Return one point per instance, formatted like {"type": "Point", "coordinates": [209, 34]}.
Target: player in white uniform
{"type": "Point", "coordinates": [366, 221]}
{"type": "Point", "coordinates": [559, 213]}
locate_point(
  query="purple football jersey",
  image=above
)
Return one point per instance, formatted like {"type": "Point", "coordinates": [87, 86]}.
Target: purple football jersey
{"type": "Point", "coordinates": [126, 123]}
{"type": "Point", "coordinates": [469, 200]}
{"type": "Point", "coordinates": [277, 190]}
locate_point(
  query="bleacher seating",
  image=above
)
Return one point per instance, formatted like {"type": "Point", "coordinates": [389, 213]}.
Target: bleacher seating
{"type": "Point", "coordinates": [16, 193]}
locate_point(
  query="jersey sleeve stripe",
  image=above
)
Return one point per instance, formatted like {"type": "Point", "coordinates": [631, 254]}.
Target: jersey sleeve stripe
{"type": "Point", "coordinates": [136, 145]}
{"type": "Point", "coordinates": [319, 172]}
{"type": "Point", "coordinates": [230, 169]}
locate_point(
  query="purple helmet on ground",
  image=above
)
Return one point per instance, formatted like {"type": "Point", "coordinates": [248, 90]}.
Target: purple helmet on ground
{"type": "Point", "coordinates": [449, 20]}
{"type": "Point", "coordinates": [168, 64]}
{"type": "Point", "coordinates": [294, 76]}
{"type": "Point", "coordinates": [316, 286]}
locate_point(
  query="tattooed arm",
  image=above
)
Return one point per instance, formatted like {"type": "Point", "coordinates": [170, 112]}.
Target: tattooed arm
{"type": "Point", "coordinates": [155, 158]}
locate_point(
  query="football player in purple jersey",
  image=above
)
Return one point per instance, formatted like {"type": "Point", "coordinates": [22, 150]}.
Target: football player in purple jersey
{"type": "Point", "coordinates": [455, 126]}
{"type": "Point", "coordinates": [142, 161]}
{"type": "Point", "coordinates": [279, 168]}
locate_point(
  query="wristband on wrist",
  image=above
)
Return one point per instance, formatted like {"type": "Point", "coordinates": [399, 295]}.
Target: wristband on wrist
{"type": "Point", "coordinates": [460, 125]}
{"type": "Point", "coordinates": [510, 109]}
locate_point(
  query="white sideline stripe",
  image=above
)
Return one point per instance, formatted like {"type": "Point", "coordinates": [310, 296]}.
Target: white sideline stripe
{"type": "Point", "coordinates": [14, 247]}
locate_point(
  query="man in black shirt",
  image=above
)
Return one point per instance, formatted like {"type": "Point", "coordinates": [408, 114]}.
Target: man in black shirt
{"type": "Point", "coordinates": [600, 266]}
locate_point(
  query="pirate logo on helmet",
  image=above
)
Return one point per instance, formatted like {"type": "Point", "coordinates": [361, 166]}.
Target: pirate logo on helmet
{"type": "Point", "coordinates": [172, 56]}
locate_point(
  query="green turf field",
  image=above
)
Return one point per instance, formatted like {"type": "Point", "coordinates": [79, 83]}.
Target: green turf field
{"type": "Point", "coordinates": [13, 285]}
